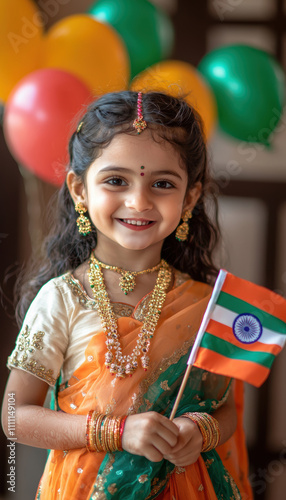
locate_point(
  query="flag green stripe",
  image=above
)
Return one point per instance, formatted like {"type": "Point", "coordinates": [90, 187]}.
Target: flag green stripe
{"type": "Point", "coordinates": [229, 350]}
{"type": "Point", "coordinates": [240, 306]}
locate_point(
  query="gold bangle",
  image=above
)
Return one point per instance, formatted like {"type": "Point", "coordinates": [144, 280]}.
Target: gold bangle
{"type": "Point", "coordinates": [110, 435]}
{"type": "Point", "coordinates": [91, 432]}
{"type": "Point", "coordinates": [90, 424]}
{"type": "Point", "coordinates": [209, 428]}
{"type": "Point", "coordinates": [104, 432]}
{"type": "Point", "coordinates": [97, 432]}
{"type": "Point", "coordinates": [117, 434]}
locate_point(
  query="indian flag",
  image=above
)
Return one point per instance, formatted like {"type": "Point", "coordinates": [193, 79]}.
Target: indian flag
{"type": "Point", "coordinates": [243, 329]}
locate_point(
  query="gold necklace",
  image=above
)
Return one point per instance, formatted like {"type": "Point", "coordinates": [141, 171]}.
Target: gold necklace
{"type": "Point", "coordinates": [127, 281]}
{"type": "Point", "coordinates": [119, 364]}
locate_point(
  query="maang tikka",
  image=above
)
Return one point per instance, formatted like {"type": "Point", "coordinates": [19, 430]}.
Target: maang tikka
{"type": "Point", "coordinates": [139, 123]}
{"type": "Point", "coordinates": [83, 223]}
{"type": "Point", "coordinates": [182, 231]}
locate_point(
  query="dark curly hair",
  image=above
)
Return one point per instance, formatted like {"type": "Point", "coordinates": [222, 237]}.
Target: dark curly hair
{"type": "Point", "coordinates": [169, 118]}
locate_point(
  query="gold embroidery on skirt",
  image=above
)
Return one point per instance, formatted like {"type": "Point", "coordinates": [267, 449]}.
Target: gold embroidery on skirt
{"type": "Point", "coordinates": [229, 478]}
{"type": "Point", "coordinates": [98, 492]}
{"type": "Point", "coordinates": [157, 486]}
{"type": "Point", "coordinates": [164, 385]}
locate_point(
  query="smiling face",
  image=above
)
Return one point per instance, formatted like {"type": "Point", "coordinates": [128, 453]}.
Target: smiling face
{"type": "Point", "coordinates": [132, 207]}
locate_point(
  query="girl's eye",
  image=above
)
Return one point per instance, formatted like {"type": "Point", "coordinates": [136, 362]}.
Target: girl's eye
{"type": "Point", "coordinates": [116, 181]}
{"type": "Point", "coordinates": [163, 184]}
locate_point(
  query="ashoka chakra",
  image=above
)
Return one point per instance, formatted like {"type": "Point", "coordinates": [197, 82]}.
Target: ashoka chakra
{"type": "Point", "coordinates": [247, 328]}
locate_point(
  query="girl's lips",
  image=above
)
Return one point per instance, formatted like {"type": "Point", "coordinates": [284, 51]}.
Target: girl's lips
{"type": "Point", "coordinates": [137, 224]}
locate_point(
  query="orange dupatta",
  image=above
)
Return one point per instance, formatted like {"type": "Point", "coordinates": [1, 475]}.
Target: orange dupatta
{"type": "Point", "coordinates": [74, 473]}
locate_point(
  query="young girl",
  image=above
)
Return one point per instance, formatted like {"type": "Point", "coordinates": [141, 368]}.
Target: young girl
{"type": "Point", "coordinates": [115, 310]}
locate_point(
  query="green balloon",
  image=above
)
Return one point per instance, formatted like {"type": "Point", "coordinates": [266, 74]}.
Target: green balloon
{"type": "Point", "coordinates": [249, 86]}
{"type": "Point", "coordinates": [146, 30]}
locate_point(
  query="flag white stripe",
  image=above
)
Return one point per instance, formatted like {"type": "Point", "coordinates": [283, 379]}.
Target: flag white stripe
{"type": "Point", "coordinates": [227, 317]}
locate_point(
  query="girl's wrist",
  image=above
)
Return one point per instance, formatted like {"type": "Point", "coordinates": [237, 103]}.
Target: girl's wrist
{"type": "Point", "coordinates": [104, 432]}
{"type": "Point", "coordinates": [209, 429]}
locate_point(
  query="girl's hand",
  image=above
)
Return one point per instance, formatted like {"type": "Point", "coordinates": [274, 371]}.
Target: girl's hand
{"type": "Point", "coordinates": [189, 444]}
{"type": "Point", "coordinates": [150, 435]}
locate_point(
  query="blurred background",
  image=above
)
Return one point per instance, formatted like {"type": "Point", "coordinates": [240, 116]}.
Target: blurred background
{"type": "Point", "coordinates": [247, 157]}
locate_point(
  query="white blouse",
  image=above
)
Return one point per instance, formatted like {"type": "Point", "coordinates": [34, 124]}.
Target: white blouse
{"type": "Point", "coordinates": [59, 325]}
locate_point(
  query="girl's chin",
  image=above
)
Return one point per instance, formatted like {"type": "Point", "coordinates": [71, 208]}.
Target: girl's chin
{"type": "Point", "coordinates": [135, 248]}
{"type": "Point", "coordinates": [139, 245]}
{"type": "Point", "coordinates": [136, 242]}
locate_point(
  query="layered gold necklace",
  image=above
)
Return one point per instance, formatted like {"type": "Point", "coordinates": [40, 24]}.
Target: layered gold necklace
{"type": "Point", "coordinates": [119, 364]}
{"type": "Point", "coordinates": [127, 281]}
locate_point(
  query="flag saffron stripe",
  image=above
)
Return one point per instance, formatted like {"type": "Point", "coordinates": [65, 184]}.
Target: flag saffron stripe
{"type": "Point", "coordinates": [240, 306]}
{"type": "Point", "coordinates": [220, 346]}
{"type": "Point", "coordinates": [243, 370]}
{"type": "Point", "coordinates": [225, 332]}
{"type": "Point", "coordinates": [258, 296]}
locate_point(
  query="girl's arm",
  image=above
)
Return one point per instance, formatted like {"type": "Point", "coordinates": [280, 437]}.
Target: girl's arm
{"type": "Point", "coordinates": [38, 426]}
{"type": "Point", "coordinates": [190, 440]}
{"type": "Point", "coordinates": [148, 434]}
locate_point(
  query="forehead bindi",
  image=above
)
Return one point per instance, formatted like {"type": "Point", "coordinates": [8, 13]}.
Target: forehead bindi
{"type": "Point", "coordinates": [130, 153]}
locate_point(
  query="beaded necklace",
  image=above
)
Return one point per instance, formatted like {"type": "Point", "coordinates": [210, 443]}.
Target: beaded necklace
{"type": "Point", "coordinates": [119, 364]}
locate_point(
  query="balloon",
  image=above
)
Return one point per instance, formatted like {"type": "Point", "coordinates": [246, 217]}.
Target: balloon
{"type": "Point", "coordinates": [90, 50]}
{"type": "Point", "coordinates": [20, 42]}
{"type": "Point", "coordinates": [249, 87]}
{"type": "Point", "coordinates": [38, 118]}
{"type": "Point", "coordinates": [146, 30]}
{"type": "Point", "coordinates": [181, 80]}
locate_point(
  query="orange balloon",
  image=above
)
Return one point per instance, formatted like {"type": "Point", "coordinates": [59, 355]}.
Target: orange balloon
{"type": "Point", "coordinates": [91, 50]}
{"type": "Point", "coordinates": [180, 79]}
{"type": "Point", "coordinates": [21, 34]}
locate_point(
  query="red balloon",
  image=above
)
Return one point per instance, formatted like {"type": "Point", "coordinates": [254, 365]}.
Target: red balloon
{"type": "Point", "coordinates": [39, 118]}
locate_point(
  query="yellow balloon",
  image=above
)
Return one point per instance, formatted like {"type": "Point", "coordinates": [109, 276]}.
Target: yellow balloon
{"type": "Point", "coordinates": [21, 30]}
{"type": "Point", "coordinates": [180, 79]}
{"type": "Point", "coordinates": [91, 50]}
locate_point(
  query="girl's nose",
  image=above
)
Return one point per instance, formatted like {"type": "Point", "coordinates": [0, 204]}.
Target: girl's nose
{"type": "Point", "coordinates": [139, 200]}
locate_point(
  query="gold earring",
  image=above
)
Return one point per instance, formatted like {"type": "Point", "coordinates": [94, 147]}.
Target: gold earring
{"type": "Point", "coordinates": [182, 231]}
{"type": "Point", "coordinates": [83, 223]}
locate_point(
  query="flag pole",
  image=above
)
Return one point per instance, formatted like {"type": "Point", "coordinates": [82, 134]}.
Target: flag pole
{"type": "Point", "coordinates": [180, 393]}
{"type": "Point", "coordinates": [216, 290]}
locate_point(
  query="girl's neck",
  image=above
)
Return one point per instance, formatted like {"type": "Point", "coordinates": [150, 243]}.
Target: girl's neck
{"type": "Point", "coordinates": [144, 284]}
{"type": "Point", "coordinates": [130, 260]}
